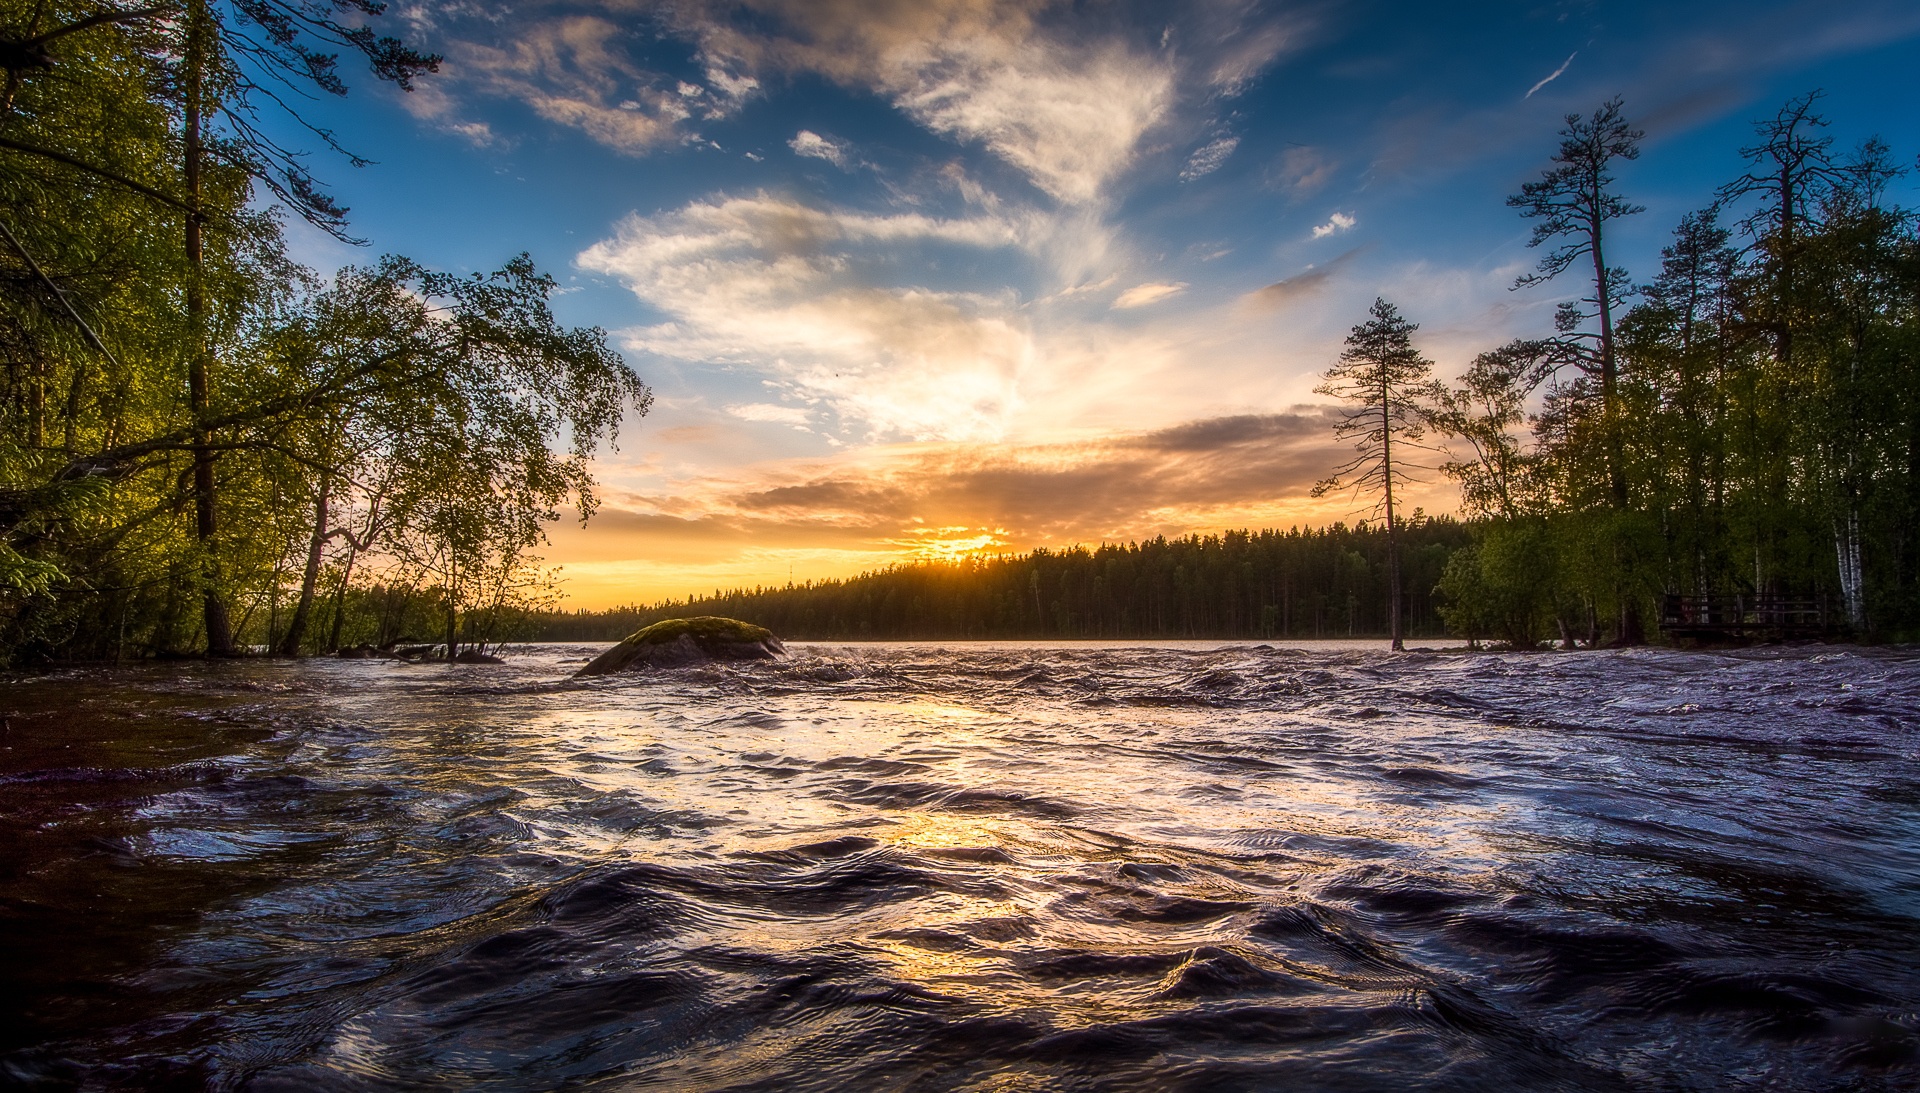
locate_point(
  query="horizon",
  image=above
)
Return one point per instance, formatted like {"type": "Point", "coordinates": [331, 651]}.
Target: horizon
{"type": "Point", "coordinates": [927, 280]}
{"type": "Point", "coordinates": [1360, 526]}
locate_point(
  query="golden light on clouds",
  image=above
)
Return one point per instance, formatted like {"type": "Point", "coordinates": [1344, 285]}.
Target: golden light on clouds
{"type": "Point", "coordinates": [951, 544]}
{"type": "Point", "coordinates": [865, 509]}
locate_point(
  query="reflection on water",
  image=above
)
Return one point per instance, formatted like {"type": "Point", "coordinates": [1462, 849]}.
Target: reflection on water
{"type": "Point", "coordinates": [984, 867]}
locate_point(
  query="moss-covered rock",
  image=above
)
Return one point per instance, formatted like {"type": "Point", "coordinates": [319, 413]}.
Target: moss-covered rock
{"type": "Point", "coordinates": [672, 643]}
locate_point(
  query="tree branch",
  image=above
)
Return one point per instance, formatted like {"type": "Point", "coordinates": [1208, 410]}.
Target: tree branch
{"type": "Point", "coordinates": [72, 313]}
{"type": "Point", "coordinates": [82, 165]}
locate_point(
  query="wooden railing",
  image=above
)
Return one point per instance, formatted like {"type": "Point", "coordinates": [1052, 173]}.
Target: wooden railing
{"type": "Point", "coordinates": [1745, 616]}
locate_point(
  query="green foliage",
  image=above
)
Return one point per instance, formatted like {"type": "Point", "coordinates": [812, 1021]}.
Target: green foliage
{"type": "Point", "coordinates": [1751, 426]}
{"type": "Point", "coordinates": [188, 420]}
{"type": "Point", "coordinates": [1501, 587]}
{"type": "Point", "coordinates": [699, 627]}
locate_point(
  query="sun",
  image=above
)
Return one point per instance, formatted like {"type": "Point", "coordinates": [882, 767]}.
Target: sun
{"type": "Point", "coordinates": [951, 544]}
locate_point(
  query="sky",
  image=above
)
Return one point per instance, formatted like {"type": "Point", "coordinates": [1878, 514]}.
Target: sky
{"type": "Point", "coordinates": [918, 278]}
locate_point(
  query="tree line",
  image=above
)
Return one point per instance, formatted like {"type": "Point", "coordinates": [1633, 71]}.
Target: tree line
{"type": "Point", "coordinates": [1744, 424]}
{"type": "Point", "coordinates": [205, 447]}
{"type": "Point", "coordinates": [1303, 583]}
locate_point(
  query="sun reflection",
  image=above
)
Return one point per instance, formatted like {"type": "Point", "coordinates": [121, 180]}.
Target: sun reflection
{"type": "Point", "coordinates": [945, 831]}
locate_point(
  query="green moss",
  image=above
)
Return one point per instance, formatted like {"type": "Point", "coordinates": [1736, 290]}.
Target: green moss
{"type": "Point", "coordinates": [705, 627]}
{"type": "Point", "coordinates": [673, 642]}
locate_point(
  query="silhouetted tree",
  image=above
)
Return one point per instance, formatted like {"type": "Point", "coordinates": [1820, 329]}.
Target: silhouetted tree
{"type": "Point", "coordinates": [1388, 385]}
{"type": "Point", "coordinates": [1572, 203]}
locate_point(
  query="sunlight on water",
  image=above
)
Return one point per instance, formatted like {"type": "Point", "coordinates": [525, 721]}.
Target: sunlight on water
{"type": "Point", "coordinates": [997, 866]}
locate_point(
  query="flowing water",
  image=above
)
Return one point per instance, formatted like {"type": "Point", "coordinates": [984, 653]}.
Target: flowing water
{"type": "Point", "coordinates": [969, 867]}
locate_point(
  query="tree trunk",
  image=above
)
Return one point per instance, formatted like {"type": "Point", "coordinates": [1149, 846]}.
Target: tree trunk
{"type": "Point", "coordinates": [1846, 549]}
{"type": "Point", "coordinates": [218, 625]}
{"type": "Point", "coordinates": [340, 598]}
{"type": "Point", "coordinates": [316, 547]}
{"type": "Point", "coordinates": [1609, 368]}
{"type": "Point", "coordinates": [453, 643]}
{"type": "Point", "coordinates": [1393, 539]}
{"type": "Point", "coordinates": [1630, 632]}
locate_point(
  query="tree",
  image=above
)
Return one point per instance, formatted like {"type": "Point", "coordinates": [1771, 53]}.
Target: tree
{"type": "Point", "coordinates": [1484, 411]}
{"type": "Point", "coordinates": [1573, 203]}
{"type": "Point", "coordinates": [228, 63]}
{"type": "Point", "coordinates": [1387, 384]}
{"type": "Point", "coordinates": [1788, 172]}
{"type": "Point", "coordinates": [475, 388]}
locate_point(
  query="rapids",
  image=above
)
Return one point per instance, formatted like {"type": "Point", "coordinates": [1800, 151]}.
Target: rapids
{"type": "Point", "coordinates": [968, 867]}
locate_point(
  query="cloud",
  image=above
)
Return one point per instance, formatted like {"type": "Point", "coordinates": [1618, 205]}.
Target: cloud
{"type": "Point", "coordinates": [766, 411]}
{"type": "Point", "coordinates": [1300, 285]}
{"type": "Point", "coordinates": [1151, 292]}
{"type": "Point", "coordinates": [1336, 223]}
{"type": "Point", "coordinates": [814, 146]}
{"type": "Point", "coordinates": [1063, 95]}
{"type": "Point", "coordinates": [1551, 76]}
{"type": "Point", "coordinates": [1208, 157]}
{"type": "Point", "coordinates": [575, 72]}
{"type": "Point", "coordinates": [795, 293]}
{"type": "Point", "coordinates": [867, 509]}
{"type": "Point", "coordinates": [477, 133]}
{"type": "Point", "coordinates": [1678, 82]}
{"type": "Point", "coordinates": [579, 71]}
{"type": "Point", "coordinates": [1199, 475]}
{"type": "Point", "coordinates": [1301, 171]}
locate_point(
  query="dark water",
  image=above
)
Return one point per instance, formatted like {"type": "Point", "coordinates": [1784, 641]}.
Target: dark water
{"type": "Point", "coordinates": [983, 868]}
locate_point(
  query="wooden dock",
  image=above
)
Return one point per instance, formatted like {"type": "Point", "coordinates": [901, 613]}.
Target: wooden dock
{"type": "Point", "coordinates": [1748, 618]}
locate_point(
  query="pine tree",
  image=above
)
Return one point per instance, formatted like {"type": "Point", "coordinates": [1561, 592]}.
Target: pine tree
{"type": "Point", "coordinates": [1388, 385]}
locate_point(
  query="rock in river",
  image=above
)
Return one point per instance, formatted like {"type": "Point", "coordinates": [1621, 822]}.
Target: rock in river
{"type": "Point", "coordinates": [675, 642]}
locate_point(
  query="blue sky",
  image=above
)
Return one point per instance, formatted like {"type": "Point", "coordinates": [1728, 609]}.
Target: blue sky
{"type": "Point", "coordinates": [916, 277]}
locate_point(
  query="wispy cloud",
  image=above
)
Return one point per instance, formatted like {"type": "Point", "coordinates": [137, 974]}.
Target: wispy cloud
{"type": "Point", "coordinates": [477, 133]}
{"type": "Point", "coordinates": [578, 71]}
{"type": "Point", "coordinates": [1062, 95]}
{"type": "Point", "coordinates": [1301, 171]}
{"type": "Point", "coordinates": [1208, 157]}
{"type": "Point", "coordinates": [768, 412]}
{"type": "Point", "coordinates": [1188, 477]}
{"type": "Point", "coordinates": [1552, 76]}
{"type": "Point", "coordinates": [1151, 292]}
{"type": "Point", "coordinates": [1300, 285]}
{"type": "Point", "coordinates": [1335, 224]}
{"type": "Point", "coordinates": [870, 508]}
{"type": "Point", "coordinates": [814, 146]}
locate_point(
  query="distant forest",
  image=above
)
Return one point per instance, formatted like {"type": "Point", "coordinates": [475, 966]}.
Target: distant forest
{"type": "Point", "coordinates": [1303, 583]}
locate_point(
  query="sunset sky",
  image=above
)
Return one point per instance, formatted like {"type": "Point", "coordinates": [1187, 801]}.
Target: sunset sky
{"type": "Point", "coordinates": [916, 277]}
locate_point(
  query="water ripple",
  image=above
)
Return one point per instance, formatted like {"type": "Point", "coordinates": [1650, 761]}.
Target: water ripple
{"type": "Point", "coordinates": [985, 867]}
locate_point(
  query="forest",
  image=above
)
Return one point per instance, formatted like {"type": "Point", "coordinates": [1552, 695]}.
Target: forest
{"type": "Point", "coordinates": [207, 449]}
{"type": "Point", "coordinates": [1742, 424]}
{"type": "Point", "coordinates": [1302, 583]}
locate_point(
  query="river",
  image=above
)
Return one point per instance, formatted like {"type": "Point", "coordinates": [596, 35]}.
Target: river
{"type": "Point", "coordinates": [1186, 866]}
